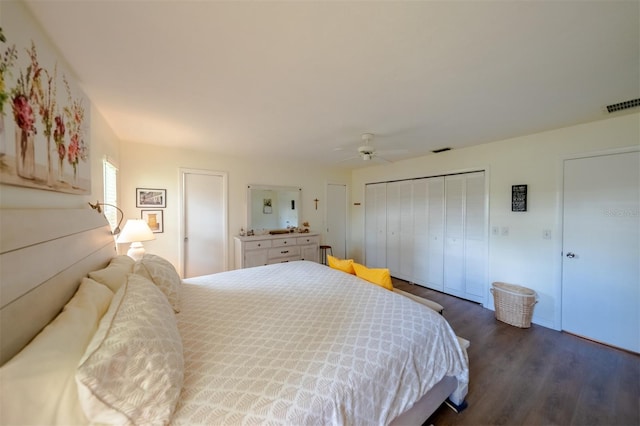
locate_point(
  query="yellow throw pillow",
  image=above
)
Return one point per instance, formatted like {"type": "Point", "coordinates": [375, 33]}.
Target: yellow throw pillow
{"type": "Point", "coordinates": [344, 265]}
{"type": "Point", "coordinates": [379, 276]}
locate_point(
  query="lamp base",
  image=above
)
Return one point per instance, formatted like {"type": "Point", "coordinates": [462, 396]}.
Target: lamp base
{"type": "Point", "coordinates": [136, 251]}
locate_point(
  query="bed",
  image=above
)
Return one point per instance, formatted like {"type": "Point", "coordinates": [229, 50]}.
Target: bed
{"type": "Point", "coordinates": [294, 343]}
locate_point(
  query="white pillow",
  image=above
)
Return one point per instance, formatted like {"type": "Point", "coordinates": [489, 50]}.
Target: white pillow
{"type": "Point", "coordinates": [133, 369]}
{"type": "Point", "coordinates": [161, 272]}
{"type": "Point", "coordinates": [37, 386]}
{"type": "Point", "coordinates": [113, 275]}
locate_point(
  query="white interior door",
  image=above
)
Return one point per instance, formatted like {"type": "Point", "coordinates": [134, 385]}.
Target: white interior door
{"type": "Point", "coordinates": [375, 224]}
{"type": "Point", "coordinates": [400, 229]}
{"type": "Point", "coordinates": [337, 219]}
{"type": "Point", "coordinates": [435, 225]}
{"type": "Point", "coordinates": [406, 231]}
{"type": "Point", "coordinates": [601, 239]}
{"type": "Point", "coordinates": [205, 222]}
{"type": "Point", "coordinates": [475, 236]}
{"type": "Point", "coordinates": [393, 228]}
{"type": "Point", "coordinates": [420, 231]}
{"type": "Point", "coordinates": [454, 235]}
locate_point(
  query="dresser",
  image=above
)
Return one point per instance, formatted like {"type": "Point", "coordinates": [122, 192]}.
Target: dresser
{"type": "Point", "coordinates": [267, 249]}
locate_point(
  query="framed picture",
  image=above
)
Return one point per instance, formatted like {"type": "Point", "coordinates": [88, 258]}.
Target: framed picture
{"type": "Point", "coordinates": [28, 157]}
{"type": "Point", "coordinates": [146, 197]}
{"type": "Point", "coordinates": [266, 206]}
{"type": "Point", "coordinates": [154, 219]}
{"type": "Point", "coordinates": [519, 198]}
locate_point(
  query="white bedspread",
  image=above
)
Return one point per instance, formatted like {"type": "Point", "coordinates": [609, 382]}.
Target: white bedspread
{"type": "Point", "coordinates": [300, 343]}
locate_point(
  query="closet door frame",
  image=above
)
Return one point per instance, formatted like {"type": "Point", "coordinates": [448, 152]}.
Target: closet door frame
{"type": "Point", "coordinates": [485, 297]}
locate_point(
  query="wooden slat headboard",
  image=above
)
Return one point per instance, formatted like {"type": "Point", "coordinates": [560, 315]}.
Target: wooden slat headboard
{"type": "Point", "coordinates": [44, 254]}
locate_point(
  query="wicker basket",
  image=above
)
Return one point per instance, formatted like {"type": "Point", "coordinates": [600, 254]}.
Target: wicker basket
{"type": "Point", "coordinates": [514, 304]}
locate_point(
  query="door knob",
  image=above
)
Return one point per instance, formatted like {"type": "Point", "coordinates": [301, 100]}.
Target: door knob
{"type": "Point", "coordinates": [571, 255]}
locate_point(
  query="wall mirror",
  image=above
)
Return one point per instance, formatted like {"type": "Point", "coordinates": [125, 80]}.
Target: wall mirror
{"type": "Point", "coordinates": [273, 207]}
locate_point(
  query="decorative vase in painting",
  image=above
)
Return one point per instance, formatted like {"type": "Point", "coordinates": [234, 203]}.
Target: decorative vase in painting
{"type": "Point", "coordinates": [61, 169]}
{"type": "Point", "coordinates": [3, 142]}
{"type": "Point", "coordinates": [75, 176]}
{"type": "Point", "coordinates": [25, 154]}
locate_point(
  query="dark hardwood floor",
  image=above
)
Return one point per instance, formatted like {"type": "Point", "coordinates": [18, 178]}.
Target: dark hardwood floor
{"type": "Point", "coordinates": [536, 376]}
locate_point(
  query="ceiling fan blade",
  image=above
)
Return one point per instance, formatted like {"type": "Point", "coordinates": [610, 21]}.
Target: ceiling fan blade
{"type": "Point", "coordinates": [349, 159]}
{"type": "Point", "coordinates": [367, 152]}
{"type": "Point", "coordinates": [381, 159]}
{"type": "Point", "coordinates": [393, 151]}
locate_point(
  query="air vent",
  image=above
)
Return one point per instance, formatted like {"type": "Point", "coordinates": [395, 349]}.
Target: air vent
{"type": "Point", "coordinates": [623, 105]}
{"type": "Point", "coordinates": [436, 151]}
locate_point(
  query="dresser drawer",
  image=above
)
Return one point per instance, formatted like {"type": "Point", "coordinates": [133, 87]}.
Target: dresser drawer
{"type": "Point", "coordinates": [267, 249]}
{"type": "Point", "coordinates": [284, 242]}
{"type": "Point", "coordinates": [254, 245]}
{"type": "Point", "coordinates": [284, 252]}
{"type": "Point", "coordinates": [315, 239]}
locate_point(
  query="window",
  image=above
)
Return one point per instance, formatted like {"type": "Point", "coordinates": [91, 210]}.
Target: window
{"type": "Point", "coordinates": [110, 192]}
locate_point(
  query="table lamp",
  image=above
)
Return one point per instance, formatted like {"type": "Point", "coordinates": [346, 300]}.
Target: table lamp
{"type": "Point", "coordinates": [135, 231]}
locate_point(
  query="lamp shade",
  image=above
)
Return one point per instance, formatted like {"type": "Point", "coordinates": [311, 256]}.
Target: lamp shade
{"type": "Point", "coordinates": [135, 230]}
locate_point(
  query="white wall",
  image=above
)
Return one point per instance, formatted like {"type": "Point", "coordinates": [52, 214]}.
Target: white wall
{"type": "Point", "coordinates": [523, 257]}
{"type": "Point", "coordinates": [149, 166]}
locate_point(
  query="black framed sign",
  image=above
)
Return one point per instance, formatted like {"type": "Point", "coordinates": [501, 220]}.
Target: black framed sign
{"type": "Point", "coordinates": [519, 198]}
{"type": "Point", "coordinates": [155, 198]}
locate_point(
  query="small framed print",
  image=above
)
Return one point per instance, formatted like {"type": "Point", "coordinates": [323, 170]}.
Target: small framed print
{"type": "Point", "coordinates": [519, 198]}
{"type": "Point", "coordinates": [147, 197]}
{"type": "Point", "coordinates": [154, 219]}
{"type": "Point", "coordinates": [266, 206]}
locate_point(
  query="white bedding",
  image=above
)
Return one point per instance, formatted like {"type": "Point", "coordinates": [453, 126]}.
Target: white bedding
{"type": "Point", "coordinates": [301, 343]}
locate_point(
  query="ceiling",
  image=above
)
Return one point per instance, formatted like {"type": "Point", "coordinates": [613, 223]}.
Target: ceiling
{"type": "Point", "coordinates": [304, 80]}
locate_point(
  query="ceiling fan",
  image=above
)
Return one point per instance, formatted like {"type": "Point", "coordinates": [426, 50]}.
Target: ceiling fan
{"type": "Point", "coordinates": [367, 151]}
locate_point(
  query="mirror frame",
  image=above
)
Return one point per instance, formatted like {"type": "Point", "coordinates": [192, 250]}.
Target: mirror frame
{"type": "Point", "coordinates": [272, 188]}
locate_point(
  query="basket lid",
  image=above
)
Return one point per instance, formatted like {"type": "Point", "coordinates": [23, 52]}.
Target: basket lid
{"type": "Point", "coordinates": [513, 288]}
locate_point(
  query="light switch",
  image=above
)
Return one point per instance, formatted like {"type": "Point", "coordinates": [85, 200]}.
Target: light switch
{"type": "Point", "coordinates": [504, 231]}
{"type": "Point", "coordinates": [495, 230]}
{"type": "Point", "coordinates": [546, 234]}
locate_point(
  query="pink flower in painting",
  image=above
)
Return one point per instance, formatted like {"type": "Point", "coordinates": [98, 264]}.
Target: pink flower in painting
{"type": "Point", "coordinates": [74, 115]}
{"type": "Point", "coordinates": [61, 151]}
{"type": "Point", "coordinates": [23, 113]}
{"type": "Point", "coordinates": [72, 152]}
{"type": "Point", "coordinates": [83, 150]}
{"type": "Point", "coordinates": [58, 135]}
{"type": "Point", "coordinates": [59, 131]}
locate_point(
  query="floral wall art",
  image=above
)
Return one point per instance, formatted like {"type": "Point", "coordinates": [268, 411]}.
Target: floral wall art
{"type": "Point", "coordinates": [44, 126]}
